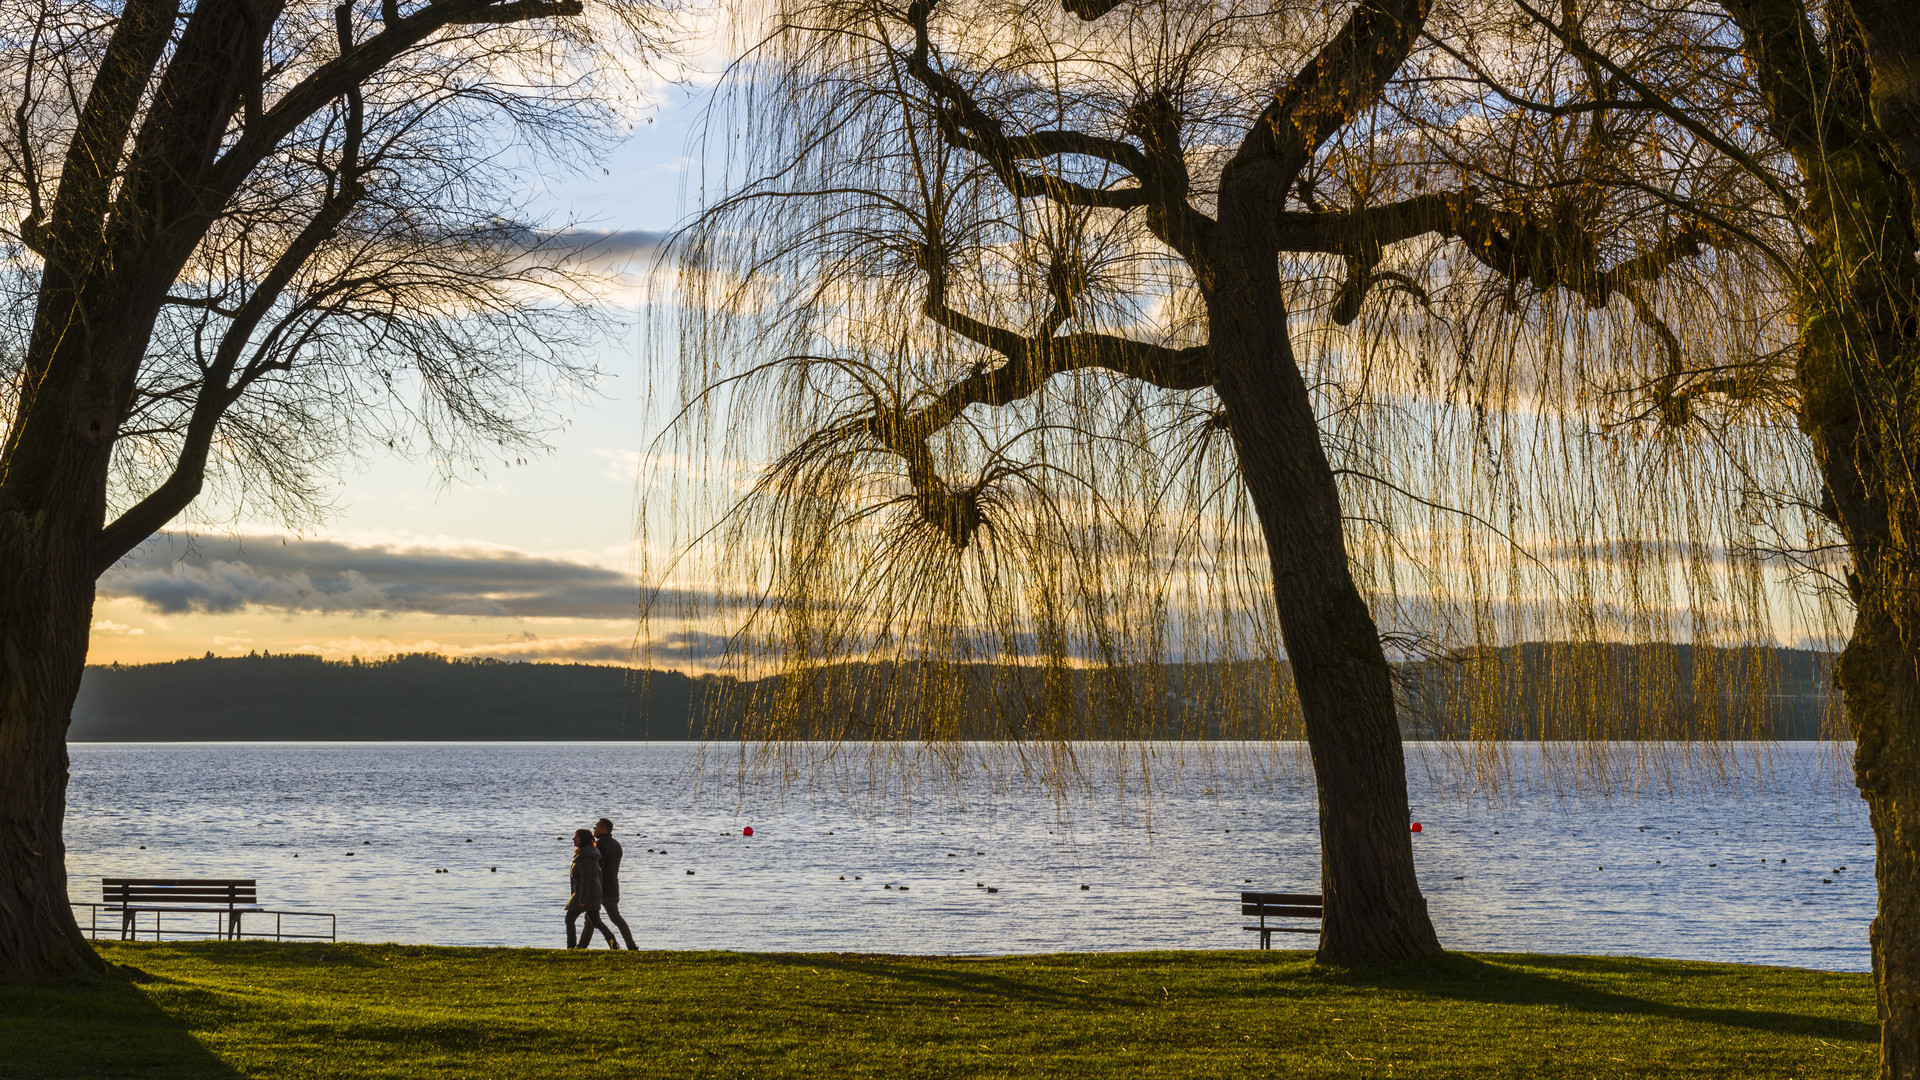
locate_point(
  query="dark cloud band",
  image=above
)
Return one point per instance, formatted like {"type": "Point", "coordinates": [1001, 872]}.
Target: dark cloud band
{"type": "Point", "coordinates": [174, 575]}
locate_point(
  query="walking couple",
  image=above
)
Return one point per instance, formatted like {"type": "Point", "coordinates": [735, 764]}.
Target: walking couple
{"type": "Point", "coordinates": [596, 885]}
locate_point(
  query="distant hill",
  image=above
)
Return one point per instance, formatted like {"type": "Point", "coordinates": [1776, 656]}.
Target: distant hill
{"type": "Point", "coordinates": [420, 696]}
{"type": "Point", "coordinates": [1532, 691]}
{"type": "Point", "coordinates": [1561, 690]}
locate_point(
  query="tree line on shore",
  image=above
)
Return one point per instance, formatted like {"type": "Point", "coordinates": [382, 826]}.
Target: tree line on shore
{"type": "Point", "coordinates": [1763, 693]}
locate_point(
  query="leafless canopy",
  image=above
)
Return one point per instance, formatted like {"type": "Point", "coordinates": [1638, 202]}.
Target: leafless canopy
{"type": "Point", "coordinates": [373, 279]}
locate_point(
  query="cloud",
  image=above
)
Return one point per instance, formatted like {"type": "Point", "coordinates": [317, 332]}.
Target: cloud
{"type": "Point", "coordinates": [603, 243]}
{"type": "Point", "coordinates": [607, 251]}
{"type": "Point", "coordinates": [688, 647]}
{"type": "Point", "coordinates": [173, 575]}
{"type": "Point", "coordinates": [622, 465]}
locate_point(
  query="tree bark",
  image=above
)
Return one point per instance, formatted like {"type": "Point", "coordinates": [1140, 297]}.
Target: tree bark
{"type": "Point", "coordinates": [1844, 105]}
{"type": "Point", "coordinates": [1859, 366]}
{"type": "Point", "coordinates": [46, 606]}
{"type": "Point", "coordinates": [1374, 910]}
{"type": "Point", "coordinates": [1859, 382]}
{"type": "Point", "coordinates": [1879, 674]}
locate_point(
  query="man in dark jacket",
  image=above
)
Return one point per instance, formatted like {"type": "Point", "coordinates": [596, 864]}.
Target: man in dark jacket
{"type": "Point", "coordinates": [610, 880]}
{"type": "Point", "coordinates": [585, 879]}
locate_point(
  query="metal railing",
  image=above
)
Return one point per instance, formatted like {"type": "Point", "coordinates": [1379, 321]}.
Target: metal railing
{"type": "Point", "coordinates": [125, 929]}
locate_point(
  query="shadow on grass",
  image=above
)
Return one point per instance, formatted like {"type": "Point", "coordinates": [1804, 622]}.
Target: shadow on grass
{"type": "Point", "coordinates": [1467, 978]}
{"type": "Point", "coordinates": [1569, 983]}
{"type": "Point", "coordinates": [55, 1029]}
{"type": "Point", "coordinates": [943, 978]}
{"type": "Point", "coordinates": [292, 954]}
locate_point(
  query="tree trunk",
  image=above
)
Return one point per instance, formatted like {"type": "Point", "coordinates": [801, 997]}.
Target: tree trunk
{"type": "Point", "coordinates": [1857, 370]}
{"type": "Point", "coordinates": [1879, 674]}
{"type": "Point", "coordinates": [1374, 910]}
{"type": "Point", "coordinates": [46, 604]}
{"type": "Point", "coordinates": [53, 502]}
{"type": "Point", "coordinates": [1858, 376]}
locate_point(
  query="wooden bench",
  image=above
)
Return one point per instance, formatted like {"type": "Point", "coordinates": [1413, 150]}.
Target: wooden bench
{"type": "Point", "coordinates": [1281, 905]}
{"type": "Point", "coordinates": [227, 899]}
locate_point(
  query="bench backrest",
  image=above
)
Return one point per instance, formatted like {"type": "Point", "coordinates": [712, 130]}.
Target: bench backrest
{"type": "Point", "coordinates": [1281, 905]}
{"type": "Point", "coordinates": [226, 892]}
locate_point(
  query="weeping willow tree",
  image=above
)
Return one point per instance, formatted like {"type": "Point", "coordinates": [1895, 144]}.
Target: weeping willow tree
{"type": "Point", "coordinates": [1811, 111]}
{"type": "Point", "coordinates": [1054, 375]}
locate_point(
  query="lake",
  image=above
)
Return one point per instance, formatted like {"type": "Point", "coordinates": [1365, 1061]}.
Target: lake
{"type": "Point", "coordinates": [1759, 855]}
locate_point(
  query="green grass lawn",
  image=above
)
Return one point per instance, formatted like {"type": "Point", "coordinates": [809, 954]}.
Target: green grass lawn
{"type": "Point", "coordinates": [267, 1010]}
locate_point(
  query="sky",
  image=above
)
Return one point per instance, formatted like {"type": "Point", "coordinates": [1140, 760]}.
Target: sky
{"type": "Point", "coordinates": [532, 562]}
{"type": "Point", "coordinates": [529, 563]}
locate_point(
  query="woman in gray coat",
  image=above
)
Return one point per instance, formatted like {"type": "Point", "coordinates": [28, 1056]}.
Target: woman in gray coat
{"type": "Point", "coordinates": [586, 891]}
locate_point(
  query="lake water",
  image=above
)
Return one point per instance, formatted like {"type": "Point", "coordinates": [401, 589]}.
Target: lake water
{"type": "Point", "coordinates": [1745, 867]}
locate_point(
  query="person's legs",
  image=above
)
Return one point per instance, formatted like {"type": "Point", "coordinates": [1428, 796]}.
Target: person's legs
{"type": "Point", "coordinates": [573, 913]}
{"type": "Point", "coordinates": [594, 923]}
{"type": "Point", "coordinates": [612, 906]}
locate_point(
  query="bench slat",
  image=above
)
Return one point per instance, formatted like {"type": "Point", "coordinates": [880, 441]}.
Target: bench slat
{"type": "Point", "coordinates": [1305, 899]}
{"type": "Point", "coordinates": [177, 889]}
{"type": "Point", "coordinates": [144, 908]}
{"type": "Point", "coordinates": [180, 891]}
{"type": "Point", "coordinates": [1284, 929]}
{"type": "Point", "coordinates": [222, 882]}
{"type": "Point", "coordinates": [177, 898]}
{"type": "Point", "coordinates": [1275, 911]}
{"type": "Point", "coordinates": [212, 892]}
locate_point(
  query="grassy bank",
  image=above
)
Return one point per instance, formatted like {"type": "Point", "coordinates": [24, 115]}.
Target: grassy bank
{"type": "Point", "coordinates": [262, 1010]}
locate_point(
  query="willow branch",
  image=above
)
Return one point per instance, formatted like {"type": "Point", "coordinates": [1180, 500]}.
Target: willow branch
{"type": "Point", "coordinates": [1341, 79]}
{"type": "Point", "coordinates": [99, 140]}
{"type": "Point", "coordinates": [1584, 51]}
{"type": "Point", "coordinates": [967, 126]}
{"type": "Point", "coordinates": [1030, 362]}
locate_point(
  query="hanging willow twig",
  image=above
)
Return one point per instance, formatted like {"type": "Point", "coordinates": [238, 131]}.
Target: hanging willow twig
{"type": "Point", "coordinates": [1005, 511]}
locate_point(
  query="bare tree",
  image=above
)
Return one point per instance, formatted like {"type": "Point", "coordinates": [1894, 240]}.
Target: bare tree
{"type": "Point", "coordinates": [254, 236]}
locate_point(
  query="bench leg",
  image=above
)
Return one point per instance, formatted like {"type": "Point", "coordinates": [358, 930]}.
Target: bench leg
{"type": "Point", "coordinates": [126, 926]}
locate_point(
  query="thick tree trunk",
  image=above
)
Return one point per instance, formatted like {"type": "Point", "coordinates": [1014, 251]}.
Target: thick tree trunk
{"type": "Point", "coordinates": [1879, 671]}
{"type": "Point", "coordinates": [53, 501]}
{"type": "Point", "coordinates": [1859, 383]}
{"type": "Point", "coordinates": [1857, 396]}
{"type": "Point", "coordinates": [46, 604]}
{"type": "Point", "coordinates": [1374, 910]}
{"type": "Point", "coordinates": [1879, 674]}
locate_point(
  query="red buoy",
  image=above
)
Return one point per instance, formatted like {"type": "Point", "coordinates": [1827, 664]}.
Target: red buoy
{"type": "Point", "coordinates": [1416, 826]}
{"type": "Point", "coordinates": [748, 831]}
